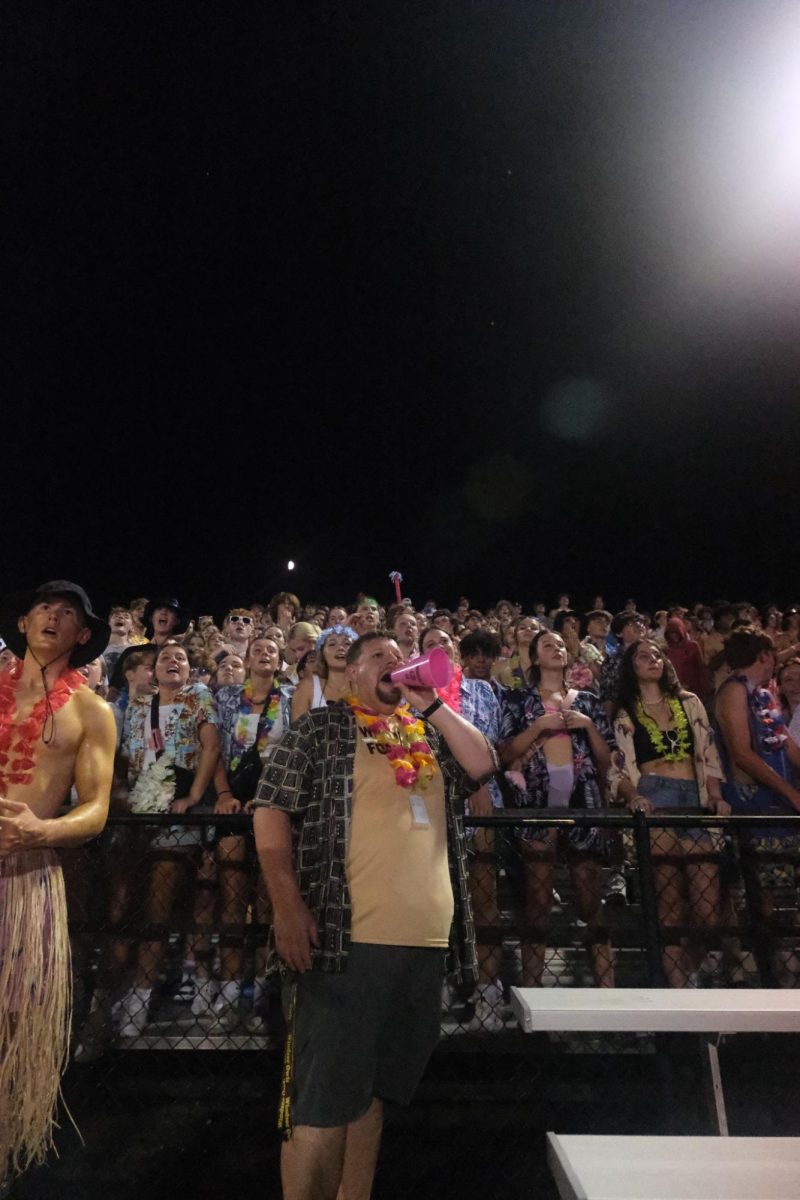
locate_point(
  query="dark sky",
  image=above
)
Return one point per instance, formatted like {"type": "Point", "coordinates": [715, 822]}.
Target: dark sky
{"type": "Point", "coordinates": [484, 292]}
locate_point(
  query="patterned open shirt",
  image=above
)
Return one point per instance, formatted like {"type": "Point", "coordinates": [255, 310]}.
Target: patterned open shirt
{"type": "Point", "coordinates": [310, 776]}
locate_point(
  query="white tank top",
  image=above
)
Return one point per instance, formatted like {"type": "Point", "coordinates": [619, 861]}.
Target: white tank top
{"type": "Point", "coordinates": [318, 699]}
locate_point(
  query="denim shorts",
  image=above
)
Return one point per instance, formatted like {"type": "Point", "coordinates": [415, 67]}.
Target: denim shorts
{"type": "Point", "coordinates": [678, 796]}
{"type": "Point", "coordinates": [364, 1032]}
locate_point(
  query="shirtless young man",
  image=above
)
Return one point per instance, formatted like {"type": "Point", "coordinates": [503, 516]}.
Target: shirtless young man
{"type": "Point", "coordinates": [54, 732]}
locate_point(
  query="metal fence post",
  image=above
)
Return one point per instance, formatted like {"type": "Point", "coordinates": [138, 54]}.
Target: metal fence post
{"type": "Point", "coordinates": [647, 882]}
{"type": "Point", "coordinates": [758, 925]}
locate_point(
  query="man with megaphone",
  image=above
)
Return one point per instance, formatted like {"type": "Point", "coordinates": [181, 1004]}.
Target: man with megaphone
{"type": "Point", "coordinates": [361, 843]}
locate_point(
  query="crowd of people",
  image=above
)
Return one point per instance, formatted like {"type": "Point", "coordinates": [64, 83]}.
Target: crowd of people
{"type": "Point", "coordinates": [319, 755]}
{"type": "Point", "coordinates": [586, 709]}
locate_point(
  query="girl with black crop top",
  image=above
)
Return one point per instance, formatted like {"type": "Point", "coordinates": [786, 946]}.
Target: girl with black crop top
{"type": "Point", "coordinates": [666, 759]}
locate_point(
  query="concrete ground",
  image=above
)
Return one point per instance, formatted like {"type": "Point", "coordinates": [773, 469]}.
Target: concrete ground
{"type": "Point", "coordinates": [194, 1125]}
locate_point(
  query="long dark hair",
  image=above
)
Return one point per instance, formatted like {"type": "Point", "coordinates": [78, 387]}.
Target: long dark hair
{"type": "Point", "coordinates": [535, 673]}
{"type": "Point", "coordinates": [628, 690]}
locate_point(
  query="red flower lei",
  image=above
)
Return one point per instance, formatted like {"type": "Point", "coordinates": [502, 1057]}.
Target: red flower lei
{"type": "Point", "coordinates": [406, 748]}
{"type": "Point", "coordinates": [452, 693]}
{"type": "Point", "coordinates": [17, 740]}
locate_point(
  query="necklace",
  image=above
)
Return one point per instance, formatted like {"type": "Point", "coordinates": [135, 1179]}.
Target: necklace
{"type": "Point", "coordinates": [404, 740]}
{"type": "Point", "coordinates": [672, 745]}
{"type": "Point", "coordinates": [17, 740]}
{"type": "Point", "coordinates": [269, 715]}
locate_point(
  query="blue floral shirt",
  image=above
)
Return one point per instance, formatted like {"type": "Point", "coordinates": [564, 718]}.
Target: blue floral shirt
{"type": "Point", "coordinates": [480, 706]}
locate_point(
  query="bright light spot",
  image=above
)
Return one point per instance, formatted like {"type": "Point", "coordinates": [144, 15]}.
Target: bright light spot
{"type": "Point", "coordinates": [574, 408]}
{"type": "Point", "coordinates": [739, 178]}
{"type": "Point", "coordinates": [290, 565]}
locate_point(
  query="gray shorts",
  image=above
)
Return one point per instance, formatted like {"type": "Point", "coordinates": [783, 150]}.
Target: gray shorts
{"type": "Point", "coordinates": [368, 1031]}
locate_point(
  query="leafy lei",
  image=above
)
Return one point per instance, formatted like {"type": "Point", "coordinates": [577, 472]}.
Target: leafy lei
{"type": "Point", "coordinates": [669, 750]}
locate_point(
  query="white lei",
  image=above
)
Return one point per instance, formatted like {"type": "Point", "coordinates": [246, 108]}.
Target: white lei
{"type": "Point", "coordinates": [154, 790]}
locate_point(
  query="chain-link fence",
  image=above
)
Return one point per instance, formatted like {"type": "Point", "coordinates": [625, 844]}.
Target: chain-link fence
{"type": "Point", "coordinates": [170, 921]}
{"type": "Point", "coordinates": [619, 900]}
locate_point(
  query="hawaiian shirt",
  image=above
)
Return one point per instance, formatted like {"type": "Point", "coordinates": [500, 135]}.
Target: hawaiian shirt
{"type": "Point", "coordinates": [310, 776]}
{"type": "Point", "coordinates": [704, 750]}
{"type": "Point", "coordinates": [480, 706]}
{"type": "Point", "coordinates": [591, 654]}
{"type": "Point", "coordinates": [193, 705]}
{"type": "Point", "coordinates": [609, 675]}
{"type": "Point", "coordinates": [518, 712]}
{"type": "Point", "coordinates": [229, 706]}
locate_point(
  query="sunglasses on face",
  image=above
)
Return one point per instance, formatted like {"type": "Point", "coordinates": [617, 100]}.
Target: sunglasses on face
{"type": "Point", "coordinates": [244, 620]}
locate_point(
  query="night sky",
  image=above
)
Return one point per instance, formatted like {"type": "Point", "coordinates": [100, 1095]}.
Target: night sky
{"type": "Point", "coordinates": [502, 295]}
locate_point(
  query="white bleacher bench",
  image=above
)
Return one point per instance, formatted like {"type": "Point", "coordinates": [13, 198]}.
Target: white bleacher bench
{"type": "Point", "coordinates": [592, 1167]}
{"type": "Point", "coordinates": [707, 1012]}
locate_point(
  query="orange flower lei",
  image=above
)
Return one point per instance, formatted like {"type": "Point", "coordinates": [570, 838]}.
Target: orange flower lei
{"type": "Point", "coordinates": [17, 740]}
{"type": "Point", "coordinates": [406, 748]}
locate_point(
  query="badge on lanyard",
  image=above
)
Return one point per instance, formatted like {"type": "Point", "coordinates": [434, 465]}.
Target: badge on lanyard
{"type": "Point", "coordinates": [156, 740]}
{"type": "Point", "coordinates": [419, 813]}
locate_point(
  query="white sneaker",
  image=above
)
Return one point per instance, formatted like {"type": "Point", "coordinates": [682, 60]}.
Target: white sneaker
{"type": "Point", "coordinates": [134, 1011]}
{"type": "Point", "coordinates": [186, 990]}
{"type": "Point", "coordinates": [226, 1005]}
{"type": "Point", "coordinates": [228, 994]}
{"type": "Point", "coordinates": [204, 997]}
{"type": "Point", "coordinates": [615, 891]}
{"type": "Point", "coordinates": [488, 1015]}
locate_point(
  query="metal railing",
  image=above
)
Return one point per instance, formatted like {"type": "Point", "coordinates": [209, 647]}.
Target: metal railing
{"type": "Point", "coordinates": [169, 921]}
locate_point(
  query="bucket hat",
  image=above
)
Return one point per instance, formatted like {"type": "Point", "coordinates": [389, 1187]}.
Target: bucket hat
{"type": "Point", "coordinates": [17, 604]}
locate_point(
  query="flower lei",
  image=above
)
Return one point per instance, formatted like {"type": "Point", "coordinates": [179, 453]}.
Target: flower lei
{"type": "Point", "coordinates": [154, 789]}
{"type": "Point", "coordinates": [679, 750]}
{"type": "Point", "coordinates": [17, 740]}
{"type": "Point", "coordinates": [269, 715]}
{"type": "Point", "coordinates": [405, 745]}
{"type": "Point", "coordinates": [451, 694]}
{"type": "Point", "coordinates": [771, 727]}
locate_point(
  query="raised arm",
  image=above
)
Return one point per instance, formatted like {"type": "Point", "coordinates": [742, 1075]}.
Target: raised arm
{"type": "Point", "coordinates": [467, 744]}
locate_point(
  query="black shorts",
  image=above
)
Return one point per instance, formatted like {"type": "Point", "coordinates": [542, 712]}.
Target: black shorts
{"type": "Point", "coordinates": [367, 1031]}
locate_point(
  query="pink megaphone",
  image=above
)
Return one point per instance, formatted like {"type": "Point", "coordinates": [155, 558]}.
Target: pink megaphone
{"type": "Point", "coordinates": [430, 670]}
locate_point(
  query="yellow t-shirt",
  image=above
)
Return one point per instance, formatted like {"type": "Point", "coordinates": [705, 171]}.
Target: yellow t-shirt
{"type": "Point", "coordinates": [397, 873]}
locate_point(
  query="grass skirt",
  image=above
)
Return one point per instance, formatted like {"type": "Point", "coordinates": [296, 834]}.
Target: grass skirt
{"type": "Point", "coordinates": [35, 1004]}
